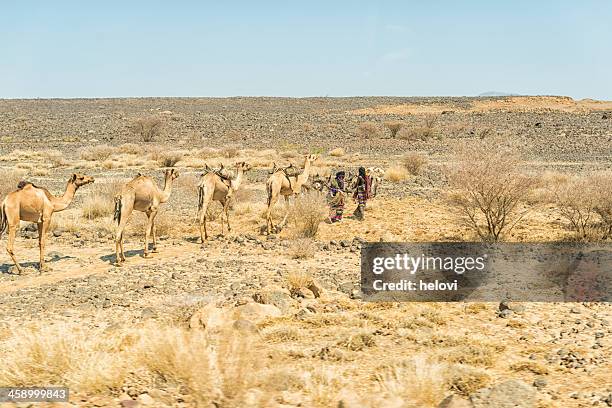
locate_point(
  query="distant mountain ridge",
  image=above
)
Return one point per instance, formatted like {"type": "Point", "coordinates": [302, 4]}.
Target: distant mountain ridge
{"type": "Point", "coordinates": [497, 93]}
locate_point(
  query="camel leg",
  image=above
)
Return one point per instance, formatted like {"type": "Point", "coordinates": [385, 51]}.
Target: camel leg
{"type": "Point", "coordinates": [202, 220]}
{"type": "Point", "coordinates": [42, 237]}
{"type": "Point", "coordinates": [284, 221]}
{"type": "Point", "coordinates": [148, 230]}
{"type": "Point", "coordinates": [226, 210]}
{"type": "Point", "coordinates": [12, 230]}
{"type": "Point", "coordinates": [269, 222]}
{"type": "Point", "coordinates": [119, 255]}
{"type": "Point", "coordinates": [154, 233]}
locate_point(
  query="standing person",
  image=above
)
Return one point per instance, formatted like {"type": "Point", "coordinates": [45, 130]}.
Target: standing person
{"type": "Point", "coordinates": [362, 186]}
{"type": "Point", "coordinates": [336, 197]}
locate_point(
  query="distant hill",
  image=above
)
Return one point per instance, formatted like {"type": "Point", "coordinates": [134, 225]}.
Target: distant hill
{"type": "Point", "coordinates": [497, 93]}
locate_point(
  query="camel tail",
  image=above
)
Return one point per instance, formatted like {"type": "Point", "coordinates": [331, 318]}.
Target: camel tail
{"type": "Point", "coordinates": [269, 192]}
{"type": "Point", "coordinates": [201, 194]}
{"type": "Point", "coordinates": [3, 220]}
{"type": "Point", "coordinates": [117, 214]}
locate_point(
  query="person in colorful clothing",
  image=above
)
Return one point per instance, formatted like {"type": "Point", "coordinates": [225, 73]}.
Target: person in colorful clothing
{"type": "Point", "coordinates": [336, 197]}
{"type": "Point", "coordinates": [361, 186]}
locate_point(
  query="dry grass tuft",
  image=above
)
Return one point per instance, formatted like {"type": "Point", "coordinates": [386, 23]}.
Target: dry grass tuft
{"type": "Point", "coordinates": [394, 127]}
{"type": "Point", "coordinates": [302, 248]}
{"type": "Point", "coordinates": [396, 174]}
{"type": "Point", "coordinates": [297, 280]}
{"type": "Point", "coordinates": [465, 380]}
{"type": "Point", "coordinates": [414, 162]}
{"type": "Point", "coordinates": [307, 212]}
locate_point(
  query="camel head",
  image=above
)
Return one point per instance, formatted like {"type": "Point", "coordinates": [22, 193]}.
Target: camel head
{"type": "Point", "coordinates": [80, 179]}
{"type": "Point", "coordinates": [171, 174]}
{"type": "Point", "coordinates": [311, 158]}
{"type": "Point", "coordinates": [244, 166]}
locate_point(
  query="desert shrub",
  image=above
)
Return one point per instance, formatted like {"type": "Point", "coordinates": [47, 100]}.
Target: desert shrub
{"type": "Point", "coordinates": [422, 132]}
{"type": "Point", "coordinates": [55, 157]}
{"type": "Point", "coordinates": [488, 189]}
{"type": "Point", "coordinates": [394, 127]}
{"type": "Point", "coordinates": [169, 159]}
{"type": "Point", "coordinates": [368, 130]}
{"type": "Point", "coordinates": [414, 162]}
{"type": "Point", "coordinates": [586, 203]}
{"type": "Point", "coordinates": [396, 174]}
{"type": "Point", "coordinates": [9, 181]}
{"type": "Point", "coordinates": [97, 153]}
{"type": "Point", "coordinates": [289, 154]}
{"type": "Point", "coordinates": [99, 202]}
{"type": "Point", "coordinates": [302, 248]}
{"type": "Point", "coordinates": [297, 280]}
{"type": "Point", "coordinates": [148, 128]}
{"type": "Point", "coordinates": [130, 148]}
{"type": "Point", "coordinates": [337, 152]}
{"type": "Point", "coordinates": [307, 212]}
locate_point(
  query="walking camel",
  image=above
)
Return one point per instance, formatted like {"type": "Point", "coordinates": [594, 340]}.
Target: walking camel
{"type": "Point", "coordinates": [214, 185]}
{"type": "Point", "coordinates": [35, 204]}
{"type": "Point", "coordinates": [281, 183]}
{"type": "Point", "coordinates": [140, 194]}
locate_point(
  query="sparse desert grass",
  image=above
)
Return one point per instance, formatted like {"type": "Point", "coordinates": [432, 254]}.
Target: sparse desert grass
{"type": "Point", "coordinates": [99, 201]}
{"type": "Point", "coordinates": [97, 153]}
{"type": "Point", "coordinates": [289, 154]}
{"type": "Point", "coordinates": [396, 174]}
{"type": "Point", "coordinates": [230, 151]}
{"type": "Point", "coordinates": [530, 366]}
{"type": "Point", "coordinates": [307, 211]}
{"type": "Point", "coordinates": [130, 148]}
{"type": "Point", "coordinates": [423, 132]}
{"type": "Point", "coordinates": [414, 162]}
{"type": "Point", "coordinates": [281, 334]}
{"type": "Point", "coordinates": [465, 380]}
{"type": "Point", "coordinates": [417, 382]}
{"type": "Point", "coordinates": [302, 248]}
{"type": "Point", "coordinates": [165, 224]}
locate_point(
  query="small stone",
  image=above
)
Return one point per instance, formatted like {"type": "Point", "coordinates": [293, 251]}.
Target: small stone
{"type": "Point", "coordinates": [146, 399]}
{"type": "Point", "coordinates": [244, 325]}
{"type": "Point", "coordinates": [504, 314]}
{"type": "Point", "coordinates": [540, 382]}
{"type": "Point", "coordinates": [128, 403]}
{"type": "Point", "coordinates": [454, 401]}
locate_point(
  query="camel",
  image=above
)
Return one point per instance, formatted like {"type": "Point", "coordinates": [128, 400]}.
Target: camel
{"type": "Point", "coordinates": [217, 186]}
{"type": "Point", "coordinates": [281, 183]}
{"type": "Point", "coordinates": [376, 174]}
{"type": "Point", "coordinates": [35, 204]}
{"type": "Point", "coordinates": [140, 194]}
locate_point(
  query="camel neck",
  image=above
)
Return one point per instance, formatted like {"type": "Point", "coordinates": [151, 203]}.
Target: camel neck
{"type": "Point", "coordinates": [167, 189]}
{"type": "Point", "coordinates": [61, 203]}
{"type": "Point", "coordinates": [238, 180]}
{"type": "Point", "coordinates": [304, 175]}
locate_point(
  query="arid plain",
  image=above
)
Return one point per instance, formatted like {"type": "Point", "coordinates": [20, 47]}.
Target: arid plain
{"type": "Point", "coordinates": [250, 319]}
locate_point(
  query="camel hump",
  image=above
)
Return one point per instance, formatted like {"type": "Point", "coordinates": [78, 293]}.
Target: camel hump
{"type": "Point", "coordinates": [22, 184]}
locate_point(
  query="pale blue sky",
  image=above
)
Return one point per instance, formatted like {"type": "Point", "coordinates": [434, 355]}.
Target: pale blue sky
{"type": "Point", "coordinates": [307, 48]}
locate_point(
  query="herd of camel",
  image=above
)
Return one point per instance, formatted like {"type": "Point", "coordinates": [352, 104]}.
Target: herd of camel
{"type": "Point", "coordinates": [36, 204]}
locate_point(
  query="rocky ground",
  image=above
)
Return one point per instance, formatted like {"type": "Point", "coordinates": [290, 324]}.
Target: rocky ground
{"type": "Point", "coordinates": [248, 319]}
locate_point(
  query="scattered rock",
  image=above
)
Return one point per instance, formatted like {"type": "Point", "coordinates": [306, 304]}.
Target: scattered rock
{"type": "Point", "coordinates": [540, 382]}
{"type": "Point", "coordinates": [509, 394]}
{"type": "Point", "coordinates": [255, 312]}
{"type": "Point", "coordinates": [244, 326]}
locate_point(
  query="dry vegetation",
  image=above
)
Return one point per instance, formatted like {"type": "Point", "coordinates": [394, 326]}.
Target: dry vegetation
{"type": "Point", "coordinates": [147, 129]}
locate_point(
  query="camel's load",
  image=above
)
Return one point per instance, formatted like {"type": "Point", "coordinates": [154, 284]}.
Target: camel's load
{"type": "Point", "coordinates": [221, 172]}
{"type": "Point", "coordinates": [290, 170]}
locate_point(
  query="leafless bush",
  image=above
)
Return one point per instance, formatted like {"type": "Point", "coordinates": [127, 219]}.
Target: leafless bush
{"type": "Point", "coordinates": [488, 189]}
{"type": "Point", "coordinates": [307, 212]}
{"type": "Point", "coordinates": [423, 132]}
{"type": "Point", "coordinates": [394, 127]}
{"type": "Point", "coordinates": [368, 130]}
{"type": "Point", "coordinates": [414, 162]}
{"type": "Point", "coordinates": [586, 203]}
{"type": "Point", "coordinates": [147, 129]}
{"type": "Point", "coordinates": [603, 201]}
